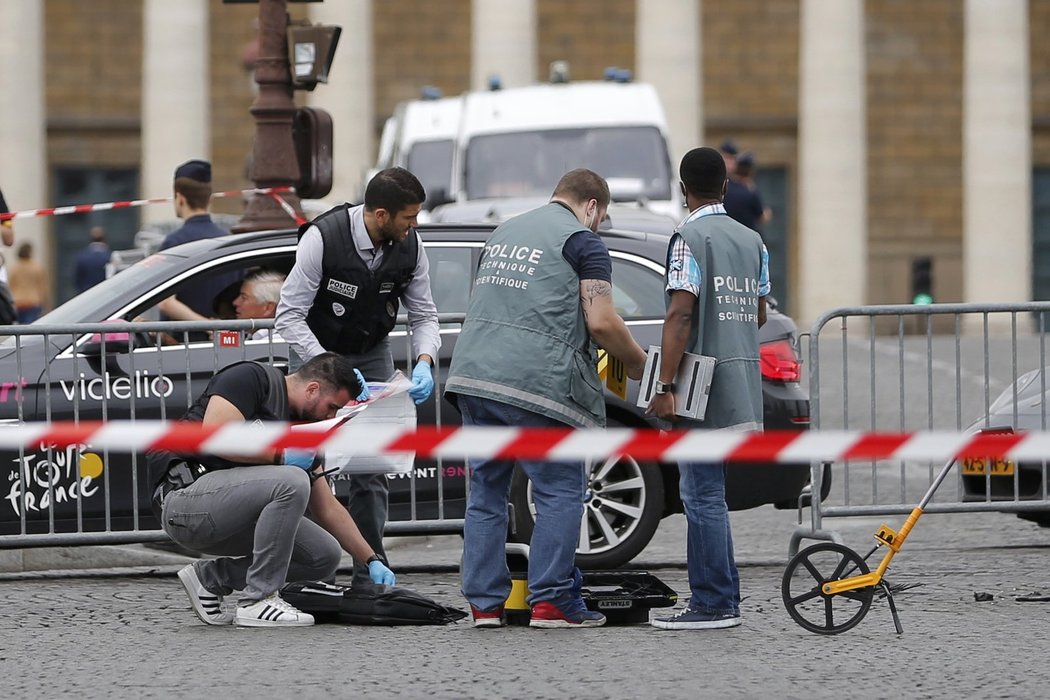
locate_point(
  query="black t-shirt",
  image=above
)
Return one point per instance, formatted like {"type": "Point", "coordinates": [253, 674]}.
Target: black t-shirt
{"type": "Point", "coordinates": [588, 255]}
{"type": "Point", "coordinates": [248, 386]}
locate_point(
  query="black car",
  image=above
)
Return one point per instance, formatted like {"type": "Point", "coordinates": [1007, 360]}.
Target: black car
{"type": "Point", "coordinates": [70, 375]}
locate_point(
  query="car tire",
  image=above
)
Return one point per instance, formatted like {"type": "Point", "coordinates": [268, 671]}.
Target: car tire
{"type": "Point", "coordinates": [625, 533]}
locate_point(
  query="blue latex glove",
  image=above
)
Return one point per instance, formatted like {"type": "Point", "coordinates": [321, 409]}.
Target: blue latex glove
{"type": "Point", "coordinates": [379, 573]}
{"type": "Point", "coordinates": [304, 459]}
{"type": "Point", "coordinates": [365, 393]}
{"type": "Point", "coordinates": [422, 382]}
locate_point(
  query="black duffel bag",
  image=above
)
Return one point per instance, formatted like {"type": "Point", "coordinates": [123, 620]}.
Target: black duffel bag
{"type": "Point", "coordinates": [368, 604]}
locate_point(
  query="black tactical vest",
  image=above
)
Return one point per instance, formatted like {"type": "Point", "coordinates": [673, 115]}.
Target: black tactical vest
{"type": "Point", "coordinates": [355, 308]}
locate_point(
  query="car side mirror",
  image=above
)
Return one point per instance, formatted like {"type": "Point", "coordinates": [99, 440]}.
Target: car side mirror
{"type": "Point", "coordinates": [115, 343]}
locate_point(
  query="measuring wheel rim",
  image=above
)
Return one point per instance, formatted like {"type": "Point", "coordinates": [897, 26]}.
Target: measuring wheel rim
{"type": "Point", "coordinates": [804, 599]}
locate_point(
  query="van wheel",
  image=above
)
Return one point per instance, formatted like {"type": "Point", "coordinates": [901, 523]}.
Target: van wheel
{"type": "Point", "coordinates": [622, 508]}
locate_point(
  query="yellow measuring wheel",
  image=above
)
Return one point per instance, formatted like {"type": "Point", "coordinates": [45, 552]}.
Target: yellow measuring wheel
{"type": "Point", "coordinates": [828, 588]}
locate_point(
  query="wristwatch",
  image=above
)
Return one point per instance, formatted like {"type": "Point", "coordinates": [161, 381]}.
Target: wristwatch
{"type": "Point", "coordinates": [664, 387]}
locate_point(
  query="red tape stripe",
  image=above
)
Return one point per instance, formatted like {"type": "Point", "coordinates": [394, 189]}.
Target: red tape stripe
{"type": "Point", "coordinates": [184, 437]}
{"type": "Point", "coordinates": [533, 444]}
{"type": "Point", "coordinates": [424, 440]}
{"type": "Point", "coordinates": [875, 446]}
{"type": "Point", "coordinates": [989, 445]}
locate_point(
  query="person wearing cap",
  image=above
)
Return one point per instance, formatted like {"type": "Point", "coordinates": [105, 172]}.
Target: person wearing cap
{"type": "Point", "coordinates": [192, 203]}
{"type": "Point", "coordinates": [743, 201]}
{"type": "Point", "coordinates": [354, 267]}
{"type": "Point", "coordinates": [729, 150]}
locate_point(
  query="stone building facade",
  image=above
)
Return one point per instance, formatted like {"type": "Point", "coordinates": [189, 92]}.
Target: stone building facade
{"type": "Point", "coordinates": [918, 194]}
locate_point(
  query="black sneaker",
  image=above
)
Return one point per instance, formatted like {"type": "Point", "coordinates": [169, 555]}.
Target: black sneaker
{"type": "Point", "coordinates": [690, 619]}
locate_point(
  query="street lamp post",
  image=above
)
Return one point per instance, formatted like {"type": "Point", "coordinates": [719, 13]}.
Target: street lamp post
{"type": "Point", "coordinates": [274, 162]}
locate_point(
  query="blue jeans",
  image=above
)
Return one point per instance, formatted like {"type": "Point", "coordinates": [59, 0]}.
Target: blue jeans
{"type": "Point", "coordinates": [557, 490]}
{"type": "Point", "coordinates": [713, 579]}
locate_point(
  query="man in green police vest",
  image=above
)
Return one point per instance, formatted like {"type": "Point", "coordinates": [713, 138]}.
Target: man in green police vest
{"type": "Point", "coordinates": [527, 356]}
{"type": "Point", "coordinates": [717, 283]}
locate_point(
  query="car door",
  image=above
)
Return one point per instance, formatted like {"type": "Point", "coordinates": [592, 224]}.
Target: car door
{"type": "Point", "coordinates": [135, 376]}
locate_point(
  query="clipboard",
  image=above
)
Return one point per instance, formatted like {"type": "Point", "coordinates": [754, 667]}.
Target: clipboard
{"type": "Point", "coordinates": [692, 383]}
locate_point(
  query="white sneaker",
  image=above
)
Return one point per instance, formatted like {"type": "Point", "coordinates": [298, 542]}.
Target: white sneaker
{"type": "Point", "coordinates": [206, 604]}
{"type": "Point", "coordinates": [272, 612]}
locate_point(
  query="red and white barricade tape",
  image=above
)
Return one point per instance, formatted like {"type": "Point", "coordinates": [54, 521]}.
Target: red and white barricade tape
{"type": "Point", "coordinates": [530, 443]}
{"type": "Point", "coordinates": [274, 192]}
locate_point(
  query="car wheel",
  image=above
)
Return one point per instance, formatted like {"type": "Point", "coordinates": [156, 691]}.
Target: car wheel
{"type": "Point", "coordinates": [622, 509]}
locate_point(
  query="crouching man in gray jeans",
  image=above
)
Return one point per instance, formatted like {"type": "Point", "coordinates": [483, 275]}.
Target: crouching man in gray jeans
{"type": "Point", "coordinates": [250, 511]}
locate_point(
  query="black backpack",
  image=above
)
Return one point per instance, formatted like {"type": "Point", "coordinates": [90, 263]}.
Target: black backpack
{"type": "Point", "coordinates": [367, 604]}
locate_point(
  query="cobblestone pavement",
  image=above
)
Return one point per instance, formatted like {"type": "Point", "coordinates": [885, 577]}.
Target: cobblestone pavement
{"type": "Point", "coordinates": [136, 636]}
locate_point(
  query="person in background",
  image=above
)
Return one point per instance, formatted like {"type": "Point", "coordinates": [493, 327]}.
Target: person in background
{"type": "Point", "coordinates": [8, 314]}
{"type": "Point", "coordinates": [709, 254]}
{"type": "Point", "coordinates": [192, 187]}
{"type": "Point", "coordinates": [527, 357]}
{"type": "Point", "coordinates": [729, 151]}
{"type": "Point", "coordinates": [7, 229]}
{"type": "Point", "coordinates": [354, 267]}
{"type": "Point", "coordinates": [91, 261]}
{"type": "Point", "coordinates": [743, 202]}
{"type": "Point", "coordinates": [30, 285]}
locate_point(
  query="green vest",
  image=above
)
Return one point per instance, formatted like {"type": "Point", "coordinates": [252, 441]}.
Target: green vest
{"type": "Point", "coordinates": [525, 341]}
{"type": "Point", "coordinates": [726, 326]}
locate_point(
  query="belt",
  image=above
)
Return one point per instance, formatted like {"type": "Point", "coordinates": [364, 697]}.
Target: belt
{"type": "Point", "coordinates": [180, 474]}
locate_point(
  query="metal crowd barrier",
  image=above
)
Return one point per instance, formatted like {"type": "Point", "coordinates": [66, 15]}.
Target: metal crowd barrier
{"type": "Point", "coordinates": [938, 367]}
{"type": "Point", "coordinates": [102, 371]}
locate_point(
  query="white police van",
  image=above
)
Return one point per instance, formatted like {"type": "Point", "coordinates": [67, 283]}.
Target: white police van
{"type": "Point", "coordinates": [503, 150]}
{"type": "Point", "coordinates": [421, 136]}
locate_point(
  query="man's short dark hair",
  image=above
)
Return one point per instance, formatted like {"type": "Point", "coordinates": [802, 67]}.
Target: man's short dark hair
{"type": "Point", "coordinates": [197, 194]}
{"type": "Point", "coordinates": [582, 185]}
{"type": "Point", "coordinates": [331, 370]}
{"type": "Point", "coordinates": [393, 189]}
{"type": "Point", "coordinates": [703, 172]}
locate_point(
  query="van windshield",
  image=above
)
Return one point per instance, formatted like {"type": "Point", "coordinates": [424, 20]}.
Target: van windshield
{"type": "Point", "coordinates": [431, 162]}
{"type": "Point", "coordinates": [634, 160]}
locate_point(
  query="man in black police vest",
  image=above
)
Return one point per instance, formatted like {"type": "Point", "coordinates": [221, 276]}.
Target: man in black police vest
{"type": "Point", "coordinates": [353, 268]}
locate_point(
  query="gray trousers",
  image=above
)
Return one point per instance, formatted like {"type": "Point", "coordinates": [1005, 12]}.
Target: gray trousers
{"type": "Point", "coordinates": [251, 517]}
{"type": "Point", "coordinates": [369, 493]}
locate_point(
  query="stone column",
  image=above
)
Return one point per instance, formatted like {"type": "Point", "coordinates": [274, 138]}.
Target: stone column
{"type": "Point", "coordinates": [175, 95]}
{"type": "Point", "coordinates": [349, 95]}
{"type": "Point", "coordinates": [832, 158]}
{"type": "Point", "coordinates": [23, 119]}
{"type": "Point", "coordinates": [997, 153]}
{"type": "Point", "coordinates": [668, 46]}
{"type": "Point", "coordinates": [503, 42]}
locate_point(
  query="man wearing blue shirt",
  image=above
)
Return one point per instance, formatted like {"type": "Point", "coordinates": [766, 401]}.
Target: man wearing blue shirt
{"type": "Point", "coordinates": [92, 260]}
{"type": "Point", "coordinates": [192, 201]}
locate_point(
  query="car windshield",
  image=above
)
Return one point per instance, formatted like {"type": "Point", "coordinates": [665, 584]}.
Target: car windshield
{"type": "Point", "coordinates": [633, 159]}
{"type": "Point", "coordinates": [431, 162]}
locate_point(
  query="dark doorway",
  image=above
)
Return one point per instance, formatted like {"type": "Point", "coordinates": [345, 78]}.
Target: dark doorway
{"type": "Point", "coordinates": [772, 185]}
{"type": "Point", "coordinates": [88, 186]}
